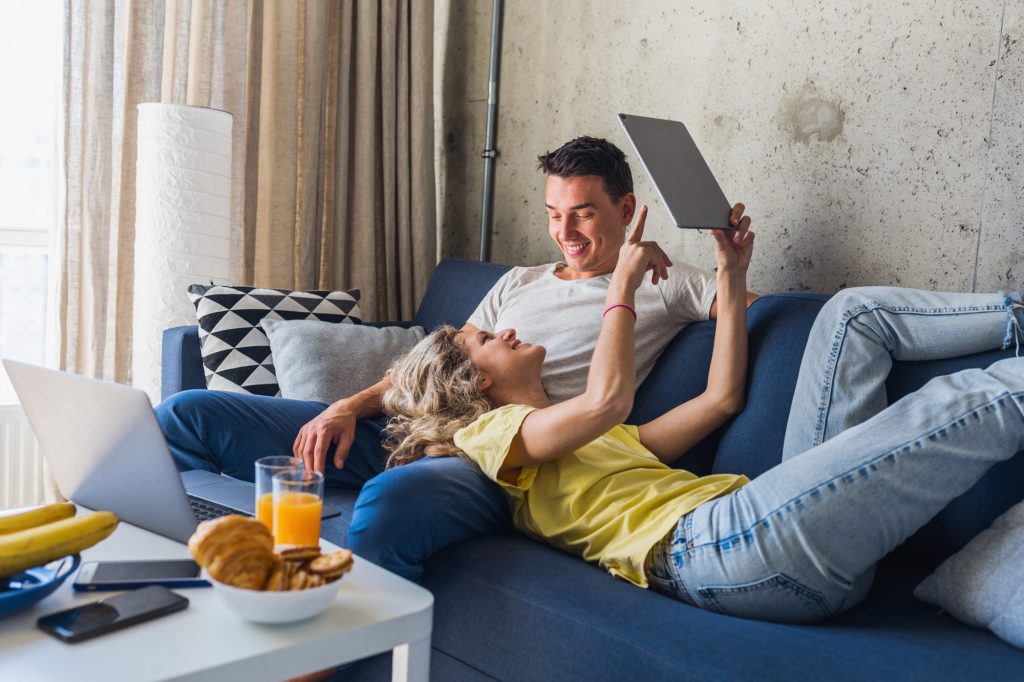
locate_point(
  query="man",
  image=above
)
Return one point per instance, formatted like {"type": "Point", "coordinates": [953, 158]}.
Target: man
{"type": "Point", "coordinates": [396, 523]}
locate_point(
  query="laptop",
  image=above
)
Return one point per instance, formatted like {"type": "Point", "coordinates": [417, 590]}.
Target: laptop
{"type": "Point", "coordinates": [681, 176]}
{"type": "Point", "coordinates": [106, 451]}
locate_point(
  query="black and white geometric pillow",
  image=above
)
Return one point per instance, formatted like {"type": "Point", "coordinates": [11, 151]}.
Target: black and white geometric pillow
{"type": "Point", "coordinates": [236, 352]}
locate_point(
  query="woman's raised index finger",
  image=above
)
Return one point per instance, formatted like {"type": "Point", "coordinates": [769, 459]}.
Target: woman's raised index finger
{"type": "Point", "coordinates": [638, 229]}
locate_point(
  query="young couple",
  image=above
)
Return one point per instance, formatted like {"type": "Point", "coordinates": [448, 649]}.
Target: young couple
{"type": "Point", "coordinates": [796, 544]}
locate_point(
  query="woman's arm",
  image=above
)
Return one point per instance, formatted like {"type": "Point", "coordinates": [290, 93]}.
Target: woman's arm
{"type": "Point", "coordinates": [676, 431]}
{"type": "Point", "coordinates": [554, 431]}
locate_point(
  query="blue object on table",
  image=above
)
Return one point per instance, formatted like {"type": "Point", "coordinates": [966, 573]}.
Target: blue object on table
{"type": "Point", "coordinates": [35, 584]}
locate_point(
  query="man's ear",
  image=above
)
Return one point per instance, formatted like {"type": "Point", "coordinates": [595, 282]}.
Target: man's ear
{"type": "Point", "coordinates": [628, 205]}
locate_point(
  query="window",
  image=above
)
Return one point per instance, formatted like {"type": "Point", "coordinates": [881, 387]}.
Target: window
{"type": "Point", "coordinates": [30, 78]}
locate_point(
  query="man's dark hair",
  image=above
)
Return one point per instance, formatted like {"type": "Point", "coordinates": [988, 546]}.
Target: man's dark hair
{"type": "Point", "coordinates": [590, 156]}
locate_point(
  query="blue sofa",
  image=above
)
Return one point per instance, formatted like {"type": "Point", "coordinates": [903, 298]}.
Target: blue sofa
{"type": "Point", "coordinates": [508, 607]}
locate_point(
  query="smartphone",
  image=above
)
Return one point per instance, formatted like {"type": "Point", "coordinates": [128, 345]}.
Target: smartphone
{"type": "Point", "coordinates": [129, 575]}
{"type": "Point", "coordinates": [112, 613]}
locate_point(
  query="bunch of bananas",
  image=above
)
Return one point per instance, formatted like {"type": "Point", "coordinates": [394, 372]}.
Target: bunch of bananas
{"type": "Point", "coordinates": [36, 537]}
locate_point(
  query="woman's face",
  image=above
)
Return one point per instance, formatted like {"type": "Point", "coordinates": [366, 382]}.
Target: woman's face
{"type": "Point", "coordinates": [503, 357]}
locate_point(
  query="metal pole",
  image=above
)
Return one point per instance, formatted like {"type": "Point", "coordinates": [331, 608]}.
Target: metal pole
{"type": "Point", "coordinates": [489, 153]}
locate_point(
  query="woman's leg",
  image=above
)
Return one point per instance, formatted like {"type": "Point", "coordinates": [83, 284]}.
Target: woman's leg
{"type": "Point", "coordinates": [860, 331]}
{"type": "Point", "coordinates": [790, 545]}
{"type": "Point", "coordinates": [227, 432]}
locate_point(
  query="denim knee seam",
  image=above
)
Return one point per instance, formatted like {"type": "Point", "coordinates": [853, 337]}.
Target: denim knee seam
{"type": "Point", "coordinates": [854, 312]}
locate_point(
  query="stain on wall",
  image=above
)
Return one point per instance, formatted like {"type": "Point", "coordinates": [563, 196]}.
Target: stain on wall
{"type": "Point", "coordinates": [880, 143]}
{"type": "Point", "coordinates": [810, 116]}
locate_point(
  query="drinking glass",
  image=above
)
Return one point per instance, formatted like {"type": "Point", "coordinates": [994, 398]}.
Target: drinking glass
{"type": "Point", "coordinates": [298, 501]}
{"type": "Point", "coordinates": [266, 467]}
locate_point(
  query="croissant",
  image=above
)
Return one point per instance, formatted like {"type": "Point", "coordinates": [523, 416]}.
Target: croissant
{"type": "Point", "coordinates": [236, 550]}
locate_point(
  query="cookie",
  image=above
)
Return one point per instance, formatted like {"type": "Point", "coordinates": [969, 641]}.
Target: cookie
{"type": "Point", "coordinates": [300, 554]}
{"type": "Point", "coordinates": [332, 565]}
{"type": "Point", "coordinates": [299, 581]}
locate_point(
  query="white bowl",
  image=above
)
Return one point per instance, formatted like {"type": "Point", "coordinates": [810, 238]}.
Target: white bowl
{"type": "Point", "coordinates": [276, 607]}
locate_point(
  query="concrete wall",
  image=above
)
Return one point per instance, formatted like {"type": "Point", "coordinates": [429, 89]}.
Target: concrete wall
{"type": "Point", "coordinates": [873, 142]}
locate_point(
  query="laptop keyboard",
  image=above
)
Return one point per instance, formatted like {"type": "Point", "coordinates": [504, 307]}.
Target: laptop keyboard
{"type": "Point", "coordinates": [206, 510]}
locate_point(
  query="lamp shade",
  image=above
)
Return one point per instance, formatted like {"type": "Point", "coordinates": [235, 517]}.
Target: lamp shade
{"type": "Point", "coordinates": [182, 223]}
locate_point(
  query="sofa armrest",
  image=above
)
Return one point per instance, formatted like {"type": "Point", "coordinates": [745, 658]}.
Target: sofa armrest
{"type": "Point", "coordinates": [182, 364]}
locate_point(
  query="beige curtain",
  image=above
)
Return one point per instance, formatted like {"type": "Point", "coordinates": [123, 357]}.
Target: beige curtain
{"type": "Point", "coordinates": [333, 150]}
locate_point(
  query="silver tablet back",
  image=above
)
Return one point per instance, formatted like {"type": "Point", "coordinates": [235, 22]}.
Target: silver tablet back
{"type": "Point", "coordinates": [682, 177]}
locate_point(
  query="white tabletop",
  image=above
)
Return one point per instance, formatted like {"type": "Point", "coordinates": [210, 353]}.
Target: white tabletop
{"type": "Point", "coordinates": [374, 611]}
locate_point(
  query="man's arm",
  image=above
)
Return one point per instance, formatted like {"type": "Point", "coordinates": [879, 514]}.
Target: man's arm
{"type": "Point", "coordinates": [337, 425]}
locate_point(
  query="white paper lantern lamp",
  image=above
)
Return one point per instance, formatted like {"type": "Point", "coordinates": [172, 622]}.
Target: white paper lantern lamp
{"type": "Point", "coordinates": [182, 223]}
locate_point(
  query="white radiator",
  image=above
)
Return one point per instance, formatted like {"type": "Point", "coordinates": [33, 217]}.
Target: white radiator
{"type": "Point", "coordinates": [21, 464]}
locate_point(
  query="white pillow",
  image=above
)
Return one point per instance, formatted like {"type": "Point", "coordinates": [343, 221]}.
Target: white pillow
{"type": "Point", "coordinates": [983, 584]}
{"type": "Point", "coordinates": [326, 362]}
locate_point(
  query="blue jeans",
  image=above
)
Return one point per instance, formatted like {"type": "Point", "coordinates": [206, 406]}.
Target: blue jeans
{"type": "Point", "coordinates": [393, 523]}
{"type": "Point", "coordinates": [799, 543]}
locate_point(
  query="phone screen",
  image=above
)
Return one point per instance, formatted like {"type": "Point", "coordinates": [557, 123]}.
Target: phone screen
{"type": "Point", "coordinates": [118, 571]}
{"type": "Point", "coordinates": [113, 613]}
{"type": "Point", "coordinates": [130, 575]}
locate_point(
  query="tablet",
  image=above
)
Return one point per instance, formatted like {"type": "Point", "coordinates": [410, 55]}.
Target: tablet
{"type": "Point", "coordinates": [679, 173]}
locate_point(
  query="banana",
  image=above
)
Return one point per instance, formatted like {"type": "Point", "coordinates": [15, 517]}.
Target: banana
{"type": "Point", "coordinates": [37, 546]}
{"type": "Point", "coordinates": [36, 517]}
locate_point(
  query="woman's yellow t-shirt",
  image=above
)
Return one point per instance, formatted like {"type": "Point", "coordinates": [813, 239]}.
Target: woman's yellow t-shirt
{"type": "Point", "coordinates": [610, 501]}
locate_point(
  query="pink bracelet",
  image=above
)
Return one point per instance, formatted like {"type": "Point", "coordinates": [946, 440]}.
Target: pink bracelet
{"type": "Point", "coordinates": [619, 305]}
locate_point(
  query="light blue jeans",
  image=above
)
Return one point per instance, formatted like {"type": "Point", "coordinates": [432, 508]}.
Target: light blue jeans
{"type": "Point", "coordinates": [800, 542]}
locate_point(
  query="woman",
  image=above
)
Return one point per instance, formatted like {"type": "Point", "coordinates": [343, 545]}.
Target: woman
{"type": "Point", "coordinates": [797, 544]}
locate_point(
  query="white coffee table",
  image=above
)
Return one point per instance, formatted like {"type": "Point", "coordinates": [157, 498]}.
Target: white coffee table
{"type": "Point", "coordinates": [375, 611]}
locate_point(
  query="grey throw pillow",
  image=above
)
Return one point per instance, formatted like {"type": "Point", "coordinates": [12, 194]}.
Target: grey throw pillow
{"type": "Point", "coordinates": [326, 362]}
{"type": "Point", "coordinates": [983, 584]}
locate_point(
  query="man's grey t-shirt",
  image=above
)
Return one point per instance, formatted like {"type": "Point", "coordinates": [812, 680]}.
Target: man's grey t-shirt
{"type": "Point", "coordinates": [564, 316]}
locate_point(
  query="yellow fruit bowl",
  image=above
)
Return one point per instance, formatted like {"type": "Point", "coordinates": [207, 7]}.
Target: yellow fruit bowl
{"type": "Point", "coordinates": [260, 606]}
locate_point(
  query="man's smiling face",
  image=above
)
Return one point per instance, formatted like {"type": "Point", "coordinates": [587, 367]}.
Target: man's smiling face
{"type": "Point", "coordinates": [588, 227]}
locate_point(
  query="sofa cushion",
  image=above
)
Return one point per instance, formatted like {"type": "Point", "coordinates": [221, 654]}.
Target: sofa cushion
{"type": "Point", "coordinates": [455, 289]}
{"type": "Point", "coordinates": [514, 608]}
{"type": "Point", "coordinates": [778, 328]}
{"type": "Point", "coordinates": [326, 362]}
{"type": "Point", "coordinates": [752, 442]}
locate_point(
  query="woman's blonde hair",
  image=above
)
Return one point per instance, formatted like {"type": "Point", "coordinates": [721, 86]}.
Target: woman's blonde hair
{"type": "Point", "coordinates": [435, 391]}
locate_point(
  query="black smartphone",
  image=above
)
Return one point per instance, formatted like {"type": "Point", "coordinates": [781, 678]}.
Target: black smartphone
{"type": "Point", "coordinates": [130, 575]}
{"type": "Point", "coordinates": [113, 613]}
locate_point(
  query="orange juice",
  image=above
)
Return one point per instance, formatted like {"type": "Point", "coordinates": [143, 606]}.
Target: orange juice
{"type": "Point", "coordinates": [297, 519]}
{"type": "Point", "coordinates": [265, 510]}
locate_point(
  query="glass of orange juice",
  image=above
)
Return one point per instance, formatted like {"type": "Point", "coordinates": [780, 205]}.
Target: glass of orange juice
{"type": "Point", "coordinates": [266, 467]}
{"type": "Point", "coordinates": [298, 501]}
